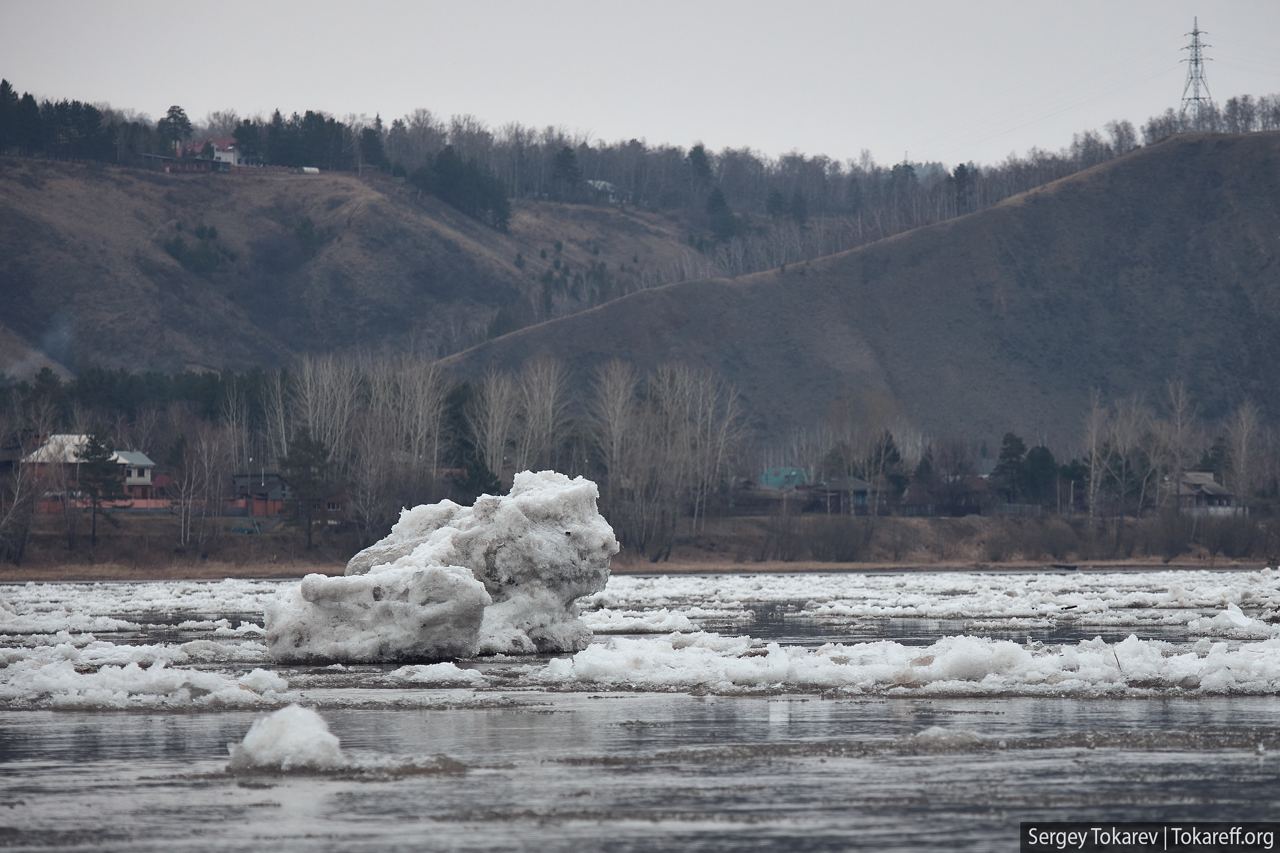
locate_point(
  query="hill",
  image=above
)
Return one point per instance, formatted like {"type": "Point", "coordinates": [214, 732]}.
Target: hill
{"type": "Point", "coordinates": [128, 268]}
{"type": "Point", "coordinates": [1160, 264]}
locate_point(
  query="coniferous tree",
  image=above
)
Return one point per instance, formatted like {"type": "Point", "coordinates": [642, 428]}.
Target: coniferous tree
{"type": "Point", "coordinates": [371, 150]}
{"type": "Point", "coordinates": [309, 474]}
{"type": "Point", "coordinates": [565, 173]}
{"type": "Point", "coordinates": [1008, 474]}
{"type": "Point", "coordinates": [175, 126]}
{"type": "Point", "coordinates": [8, 116]}
{"type": "Point", "coordinates": [28, 126]}
{"type": "Point", "coordinates": [248, 140]}
{"type": "Point", "coordinates": [100, 478]}
{"type": "Point", "coordinates": [1040, 476]}
{"type": "Point", "coordinates": [723, 223]}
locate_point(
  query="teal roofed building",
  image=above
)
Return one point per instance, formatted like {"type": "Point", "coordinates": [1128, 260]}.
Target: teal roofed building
{"type": "Point", "coordinates": [781, 477]}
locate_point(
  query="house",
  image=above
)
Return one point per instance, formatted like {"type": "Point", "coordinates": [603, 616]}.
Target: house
{"type": "Point", "coordinates": [840, 496]}
{"type": "Point", "coordinates": [261, 494]}
{"type": "Point", "coordinates": [224, 150]}
{"type": "Point", "coordinates": [183, 165]}
{"type": "Point", "coordinates": [62, 451]}
{"type": "Point", "coordinates": [138, 469]}
{"type": "Point", "coordinates": [781, 477]}
{"type": "Point", "coordinates": [1200, 494]}
{"type": "Point", "coordinates": [605, 191]}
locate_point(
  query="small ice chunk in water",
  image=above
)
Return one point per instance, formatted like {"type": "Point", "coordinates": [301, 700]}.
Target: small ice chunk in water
{"type": "Point", "coordinates": [437, 673]}
{"type": "Point", "coordinates": [263, 681]}
{"type": "Point", "coordinates": [939, 739]}
{"type": "Point", "coordinates": [293, 738]}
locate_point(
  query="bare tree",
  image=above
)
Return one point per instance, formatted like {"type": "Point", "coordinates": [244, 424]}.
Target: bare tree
{"type": "Point", "coordinates": [323, 399]}
{"type": "Point", "coordinates": [21, 489]}
{"type": "Point", "coordinates": [1243, 440]}
{"type": "Point", "coordinates": [199, 480]}
{"type": "Point", "coordinates": [1095, 433]}
{"type": "Point", "coordinates": [1131, 460]}
{"type": "Point", "coordinates": [491, 417]}
{"type": "Point", "coordinates": [612, 418]}
{"type": "Point", "coordinates": [544, 410]}
{"type": "Point", "coordinates": [420, 404]}
{"type": "Point", "coordinates": [1178, 434]}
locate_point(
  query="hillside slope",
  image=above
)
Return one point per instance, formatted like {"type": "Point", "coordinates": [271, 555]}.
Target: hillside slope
{"type": "Point", "coordinates": [1162, 264]}
{"type": "Point", "coordinates": [127, 268]}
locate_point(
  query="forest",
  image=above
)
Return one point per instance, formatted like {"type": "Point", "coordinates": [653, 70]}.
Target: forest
{"type": "Point", "coordinates": [671, 450]}
{"type": "Point", "coordinates": [748, 211]}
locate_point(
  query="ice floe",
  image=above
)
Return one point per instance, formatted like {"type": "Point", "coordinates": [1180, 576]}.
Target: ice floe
{"type": "Point", "coordinates": [395, 613]}
{"type": "Point", "coordinates": [517, 562]}
{"type": "Point", "coordinates": [443, 674]}
{"type": "Point", "coordinates": [60, 684]}
{"type": "Point", "coordinates": [959, 665]}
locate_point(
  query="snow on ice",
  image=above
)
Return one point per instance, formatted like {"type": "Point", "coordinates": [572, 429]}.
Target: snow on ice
{"type": "Point", "coordinates": [438, 675]}
{"type": "Point", "coordinates": [400, 613]}
{"type": "Point", "coordinates": [501, 576]}
{"type": "Point", "coordinates": [35, 683]}
{"type": "Point", "coordinates": [292, 738]}
{"type": "Point", "coordinates": [959, 665]}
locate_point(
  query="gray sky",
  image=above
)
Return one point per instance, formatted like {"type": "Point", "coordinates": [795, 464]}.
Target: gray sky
{"type": "Point", "coordinates": [946, 81]}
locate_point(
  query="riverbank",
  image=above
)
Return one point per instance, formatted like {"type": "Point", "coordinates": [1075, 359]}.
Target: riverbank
{"type": "Point", "coordinates": [215, 570]}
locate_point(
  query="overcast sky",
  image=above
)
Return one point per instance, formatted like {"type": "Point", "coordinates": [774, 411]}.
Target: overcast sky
{"type": "Point", "coordinates": [948, 81]}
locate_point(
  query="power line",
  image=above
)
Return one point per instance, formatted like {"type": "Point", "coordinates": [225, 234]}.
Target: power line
{"type": "Point", "coordinates": [1196, 100]}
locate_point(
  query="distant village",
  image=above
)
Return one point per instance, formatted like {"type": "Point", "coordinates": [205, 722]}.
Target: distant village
{"type": "Point", "coordinates": [779, 490]}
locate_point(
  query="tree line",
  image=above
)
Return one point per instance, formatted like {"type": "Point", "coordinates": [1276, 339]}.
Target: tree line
{"type": "Point", "coordinates": [750, 211]}
{"type": "Point", "coordinates": [670, 448]}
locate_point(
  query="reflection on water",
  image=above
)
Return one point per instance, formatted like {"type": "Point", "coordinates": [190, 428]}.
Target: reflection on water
{"type": "Point", "coordinates": [646, 772]}
{"type": "Point", "coordinates": [788, 623]}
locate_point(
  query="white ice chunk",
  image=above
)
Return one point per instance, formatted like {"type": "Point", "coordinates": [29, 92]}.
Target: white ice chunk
{"type": "Point", "coordinates": [293, 738]}
{"type": "Point", "coordinates": [444, 674]}
{"type": "Point", "coordinates": [1232, 622]}
{"type": "Point", "coordinates": [536, 550]}
{"type": "Point", "coordinates": [661, 621]}
{"type": "Point", "coordinates": [58, 684]}
{"type": "Point", "coordinates": [264, 681]}
{"type": "Point", "coordinates": [397, 613]}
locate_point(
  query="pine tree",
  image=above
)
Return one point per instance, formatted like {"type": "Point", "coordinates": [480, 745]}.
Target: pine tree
{"type": "Point", "coordinates": [699, 164]}
{"type": "Point", "coordinates": [371, 150]}
{"type": "Point", "coordinates": [175, 126]}
{"type": "Point", "coordinates": [307, 471]}
{"type": "Point", "coordinates": [29, 127]}
{"type": "Point", "coordinates": [100, 478]}
{"type": "Point", "coordinates": [723, 223]}
{"type": "Point", "coordinates": [8, 116]}
{"type": "Point", "coordinates": [565, 174]}
{"type": "Point", "coordinates": [1007, 476]}
{"type": "Point", "coordinates": [248, 141]}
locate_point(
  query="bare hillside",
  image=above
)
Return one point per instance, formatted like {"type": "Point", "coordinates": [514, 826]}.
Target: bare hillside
{"type": "Point", "coordinates": [1162, 264]}
{"type": "Point", "coordinates": [126, 268]}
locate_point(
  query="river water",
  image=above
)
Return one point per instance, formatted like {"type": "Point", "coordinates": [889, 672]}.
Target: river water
{"type": "Point", "coordinates": [519, 766]}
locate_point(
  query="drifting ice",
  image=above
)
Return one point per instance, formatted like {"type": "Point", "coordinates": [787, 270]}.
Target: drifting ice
{"type": "Point", "coordinates": [501, 576]}
{"type": "Point", "coordinates": [293, 738]}
{"type": "Point", "coordinates": [397, 614]}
